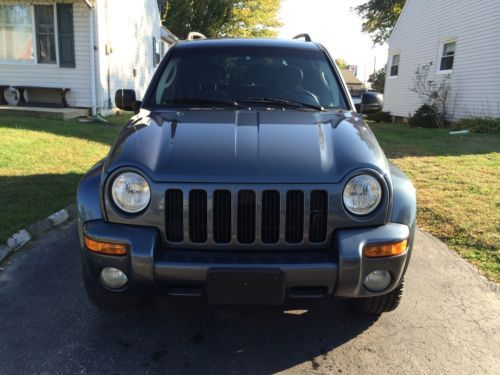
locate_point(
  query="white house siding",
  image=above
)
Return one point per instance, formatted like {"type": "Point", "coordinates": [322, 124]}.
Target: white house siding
{"type": "Point", "coordinates": [77, 79]}
{"type": "Point", "coordinates": [127, 27]}
{"type": "Point", "coordinates": [475, 80]}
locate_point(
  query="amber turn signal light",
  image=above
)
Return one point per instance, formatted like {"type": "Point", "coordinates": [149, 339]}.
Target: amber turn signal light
{"type": "Point", "coordinates": [385, 250]}
{"type": "Point", "coordinates": [107, 248]}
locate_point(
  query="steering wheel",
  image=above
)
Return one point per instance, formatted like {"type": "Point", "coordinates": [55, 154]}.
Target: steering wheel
{"type": "Point", "coordinates": [302, 95]}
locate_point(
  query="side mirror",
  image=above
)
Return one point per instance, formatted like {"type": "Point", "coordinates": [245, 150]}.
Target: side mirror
{"type": "Point", "coordinates": [126, 100]}
{"type": "Point", "coordinates": [371, 102]}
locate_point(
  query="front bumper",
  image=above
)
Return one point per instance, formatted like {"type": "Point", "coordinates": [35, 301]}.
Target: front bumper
{"type": "Point", "coordinates": [339, 270]}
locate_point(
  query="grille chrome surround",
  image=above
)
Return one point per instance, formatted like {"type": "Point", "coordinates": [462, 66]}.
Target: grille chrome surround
{"type": "Point", "coordinates": [229, 217]}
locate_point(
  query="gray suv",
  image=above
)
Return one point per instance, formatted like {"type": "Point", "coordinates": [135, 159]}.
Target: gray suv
{"type": "Point", "coordinates": [246, 176]}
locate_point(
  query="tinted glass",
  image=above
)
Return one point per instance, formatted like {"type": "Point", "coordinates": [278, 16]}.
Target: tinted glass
{"type": "Point", "coordinates": [237, 74]}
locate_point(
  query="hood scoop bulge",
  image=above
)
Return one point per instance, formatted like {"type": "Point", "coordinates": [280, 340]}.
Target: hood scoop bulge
{"type": "Point", "coordinates": [246, 134]}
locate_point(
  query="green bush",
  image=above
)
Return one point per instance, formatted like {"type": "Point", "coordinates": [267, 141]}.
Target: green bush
{"type": "Point", "coordinates": [425, 117]}
{"type": "Point", "coordinates": [479, 125]}
{"type": "Point", "coordinates": [380, 117]}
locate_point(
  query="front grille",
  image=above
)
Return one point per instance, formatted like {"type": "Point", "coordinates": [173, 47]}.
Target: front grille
{"type": "Point", "coordinates": [318, 216]}
{"type": "Point", "coordinates": [270, 216]}
{"type": "Point", "coordinates": [198, 216]}
{"type": "Point", "coordinates": [294, 230]}
{"type": "Point", "coordinates": [222, 216]}
{"type": "Point", "coordinates": [246, 216]}
{"type": "Point", "coordinates": [174, 215]}
{"type": "Point", "coordinates": [249, 217]}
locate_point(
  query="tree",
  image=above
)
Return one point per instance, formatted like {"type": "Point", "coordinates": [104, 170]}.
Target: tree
{"type": "Point", "coordinates": [253, 18]}
{"type": "Point", "coordinates": [204, 16]}
{"type": "Point", "coordinates": [433, 93]}
{"type": "Point", "coordinates": [377, 80]}
{"type": "Point", "coordinates": [379, 18]}
{"type": "Point", "coordinates": [341, 63]}
{"type": "Point", "coordinates": [222, 18]}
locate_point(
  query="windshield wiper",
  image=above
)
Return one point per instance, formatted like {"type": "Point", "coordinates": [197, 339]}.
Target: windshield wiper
{"type": "Point", "coordinates": [204, 101]}
{"type": "Point", "coordinates": [282, 102]}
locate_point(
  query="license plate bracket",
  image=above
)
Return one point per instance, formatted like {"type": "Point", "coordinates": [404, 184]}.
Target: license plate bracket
{"type": "Point", "coordinates": [245, 286]}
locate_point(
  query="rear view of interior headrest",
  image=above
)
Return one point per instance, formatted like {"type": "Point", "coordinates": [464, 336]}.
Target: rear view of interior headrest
{"type": "Point", "coordinates": [291, 76]}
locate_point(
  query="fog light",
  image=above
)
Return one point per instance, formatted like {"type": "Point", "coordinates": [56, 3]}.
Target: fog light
{"type": "Point", "coordinates": [113, 278]}
{"type": "Point", "coordinates": [377, 280]}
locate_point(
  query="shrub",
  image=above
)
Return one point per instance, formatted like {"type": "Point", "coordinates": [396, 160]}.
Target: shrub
{"type": "Point", "coordinates": [380, 117]}
{"type": "Point", "coordinates": [479, 125]}
{"type": "Point", "coordinates": [425, 117]}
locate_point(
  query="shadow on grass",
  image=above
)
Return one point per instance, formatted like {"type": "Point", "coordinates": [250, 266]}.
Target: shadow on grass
{"type": "Point", "coordinates": [26, 199]}
{"type": "Point", "coordinates": [95, 132]}
{"type": "Point", "coordinates": [399, 140]}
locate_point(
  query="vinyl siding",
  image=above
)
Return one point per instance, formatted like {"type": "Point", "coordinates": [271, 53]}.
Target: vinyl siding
{"type": "Point", "coordinates": [128, 27]}
{"type": "Point", "coordinates": [475, 80]}
{"type": "Point", "coordinates": [77, 79]}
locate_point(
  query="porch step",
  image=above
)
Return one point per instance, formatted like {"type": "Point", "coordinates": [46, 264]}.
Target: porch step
{"type": "Point", "coordinates": [40, 112]}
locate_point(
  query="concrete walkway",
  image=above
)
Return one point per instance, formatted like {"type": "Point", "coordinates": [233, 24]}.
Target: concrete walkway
{"type": "Point", "coordinates": [448, 322]}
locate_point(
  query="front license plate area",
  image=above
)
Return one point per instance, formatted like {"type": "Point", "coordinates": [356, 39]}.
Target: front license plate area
{"type": "Point", "coordinates": [245, 287]}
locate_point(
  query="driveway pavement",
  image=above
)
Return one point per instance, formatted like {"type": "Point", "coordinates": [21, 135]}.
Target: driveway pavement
{"type": "Point", "coordinates": [448, 322]}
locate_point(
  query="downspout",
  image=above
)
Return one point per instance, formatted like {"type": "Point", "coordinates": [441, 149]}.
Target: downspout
{"type": "Point", "coordinates": [92, 58]}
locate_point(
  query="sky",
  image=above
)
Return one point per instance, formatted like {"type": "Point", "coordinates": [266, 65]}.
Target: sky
{"type": "Point", "coordinates": [333, 24]}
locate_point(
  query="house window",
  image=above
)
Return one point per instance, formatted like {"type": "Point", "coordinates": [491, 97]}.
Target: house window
{"type": "Point", "coordinates": [447, 56]}
{"type": "Point", "coordinates": [16, 33]}
{"type": "Point", "coordinates": [395, 65]}
{"type": "Point", "coordinates": [156, 52]}
{"type": "Point", "coordinates": [44, 31]}
{"type": "Point", "coordinates": [45, 34]}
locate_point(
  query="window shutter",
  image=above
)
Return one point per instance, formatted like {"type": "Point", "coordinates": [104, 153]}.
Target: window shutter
{"type": "Point", "coordinates": [66, 35]}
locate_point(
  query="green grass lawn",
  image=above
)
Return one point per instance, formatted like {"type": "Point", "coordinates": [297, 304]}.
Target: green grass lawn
{"type": "Point", "coordinates": [457, 177]}
{"type": "Point", "coordinates": [41, 162]}
{"type": "Point", "coordinates": [458, 187]}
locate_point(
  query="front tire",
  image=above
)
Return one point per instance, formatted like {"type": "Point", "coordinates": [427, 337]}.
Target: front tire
{"type": "Point", "coordinates": [105, 299]}
{"type": "Point", "coordinates": [379, 304]}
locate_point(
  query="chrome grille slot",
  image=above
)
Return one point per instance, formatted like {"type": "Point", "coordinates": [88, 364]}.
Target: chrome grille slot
{"type": "Point", "coordinates": [318, 216]}
{"type": "Point", "coordinates": [173, 215]}
{"type": "Point", "coordinates": [198, 216]}
{"type": "Point", "coordinates": [222, 216]}
{"type": "Point", "coordinates": [294, 224]}
{"type": "Point", "coordinates": [246, 216]}
{"type": "Point", "coordinates": [270, 216]}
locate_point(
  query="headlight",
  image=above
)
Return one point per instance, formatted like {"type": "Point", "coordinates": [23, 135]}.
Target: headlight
{"type": "Point", "coordinates": [362, 194]}
{"type": "Point", "coordinates": [130, 192]}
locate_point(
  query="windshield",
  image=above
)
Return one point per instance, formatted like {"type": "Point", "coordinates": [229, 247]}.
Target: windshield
{"type": "Point", "coordinates": [252, 76]}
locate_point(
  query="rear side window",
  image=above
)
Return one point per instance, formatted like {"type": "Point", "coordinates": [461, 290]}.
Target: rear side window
{"type": "Point", "coordinates": [236, 73]}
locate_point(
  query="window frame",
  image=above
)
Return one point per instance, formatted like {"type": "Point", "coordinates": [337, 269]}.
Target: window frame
{"type": "Point", "coordinates": [442, 44]}
{"type": "Point", "coordinates": [35, 60]}
{"type": "Point", "coordinates": [394, 54]}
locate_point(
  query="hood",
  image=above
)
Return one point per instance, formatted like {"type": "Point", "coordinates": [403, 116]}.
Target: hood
{"type": "Point", "coordinates": [246, 146]}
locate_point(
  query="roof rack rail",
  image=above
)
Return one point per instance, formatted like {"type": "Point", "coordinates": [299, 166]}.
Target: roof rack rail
{"type": "Point", "coordinates": [195, 35]}
{"type": "Point", "coordinates": [306, 37]}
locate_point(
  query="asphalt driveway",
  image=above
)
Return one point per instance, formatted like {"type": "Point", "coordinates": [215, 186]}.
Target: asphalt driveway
{"type": "Point", "coordinates": [448, 322]}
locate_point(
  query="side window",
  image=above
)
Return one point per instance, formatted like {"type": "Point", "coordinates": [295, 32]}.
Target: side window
{"type": "Point", "coordinates": [45, 34]}
{"type": "Point", "coordinates": [394, 65]}
{"type": "Point", "coordinates": [447, 56]}
{"type": "Point", "coordinates": [156, 52]}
